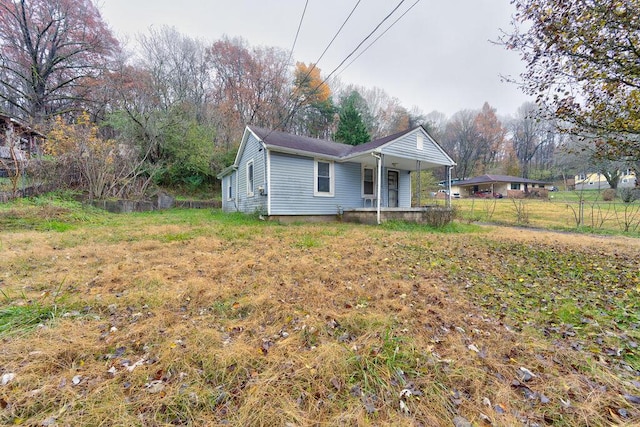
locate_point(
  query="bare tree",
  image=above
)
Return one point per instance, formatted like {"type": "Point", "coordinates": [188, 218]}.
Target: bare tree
{"type": "Point", "coordinates": [461, 140]}
{"type": "Point", "coordinates": [52, 51]}
{"type": "Point", "coordinates": [250, 86]}
{"type": "Point", "coordinates": [526, 136]}
{"type": "Point", "coordinates": [178, 67]}
{"type": "Point", "coordinates": [491, 138]}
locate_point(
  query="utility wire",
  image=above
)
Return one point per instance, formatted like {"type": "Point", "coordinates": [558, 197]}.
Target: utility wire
{"type": "Point", "coordinates": [377, 38]}
{"type": "Point", "coordinates": [335, 36]}
{"type": "Point", "coordinates": [362, 42]}
{"type": "Point", "coordinates": [295, 40]}
{"type": "Point", "coordinates": [297, 104]}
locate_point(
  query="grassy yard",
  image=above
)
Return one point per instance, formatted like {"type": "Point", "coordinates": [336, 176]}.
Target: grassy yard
{"type": "Point", "coordinates": [195, 317]}
{"type": "Point", "coordinates": [562, 211]}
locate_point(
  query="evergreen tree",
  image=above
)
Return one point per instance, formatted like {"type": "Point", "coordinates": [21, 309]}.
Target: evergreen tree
{"type": "Point", "coordinates": [351, 127]}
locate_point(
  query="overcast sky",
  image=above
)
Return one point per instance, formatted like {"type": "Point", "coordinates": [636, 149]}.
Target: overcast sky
{"type": "Point", "coordinates": [437, 57]}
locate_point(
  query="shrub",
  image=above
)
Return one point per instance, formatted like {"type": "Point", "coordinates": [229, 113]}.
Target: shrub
{"type": "Point", "coordinates": [629, 195]}
{"type": "Point", "coordinates": [609, 195]}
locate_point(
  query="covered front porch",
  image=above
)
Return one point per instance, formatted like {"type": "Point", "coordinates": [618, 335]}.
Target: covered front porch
{"type": "Point", "coordinates": [389, 192]}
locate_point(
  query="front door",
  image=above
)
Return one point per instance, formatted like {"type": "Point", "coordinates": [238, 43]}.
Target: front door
{"type": "Point", "coordinates": [392, 185]}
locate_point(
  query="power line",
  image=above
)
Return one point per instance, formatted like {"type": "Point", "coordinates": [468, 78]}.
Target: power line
{"type": "Point", "coordinates": [313, 66]}
{"type": "Point", "coordinates": [338, 32]}
{"type": "Point", "coordinates": [297, 105]}
{"type": "Point", "coordinates": [362, 42]}
{"type": "Point", "coordinates": [295, 40]}
{"type": "Point", "coordinates": [377, 38]}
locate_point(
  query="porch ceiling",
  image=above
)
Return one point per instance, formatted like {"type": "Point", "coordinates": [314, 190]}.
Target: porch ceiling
{"type": "Point", "coordinates": [394, 162]}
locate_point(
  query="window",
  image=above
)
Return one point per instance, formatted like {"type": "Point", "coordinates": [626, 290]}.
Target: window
{"type": "Point", "coordinates": [515, 186]}
{"type": "Point", "coordinates": [324, 184]}
{"type": "Point", "coordinates": [419, 141]}
{"type": "Point", "coordinates": [230, 188]}
{"type": "Point", "coordinates": [368, 182]}
{"type": "Point", "coordinates": [250, 178]}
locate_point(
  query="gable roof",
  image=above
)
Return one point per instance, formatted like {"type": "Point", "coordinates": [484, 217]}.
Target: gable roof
{"type": "Point", "coordinates": [274, 138]}
{"type": "Point", "coordinates": [340, 151]}
{"type": "Point", "coordinates": [312, 147]}
{"type": "Point", "coordinates": [486, 179]}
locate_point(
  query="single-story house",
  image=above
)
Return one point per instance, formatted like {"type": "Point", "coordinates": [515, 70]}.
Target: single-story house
{"type": "Point", "coordinates": [597, 181]}
{"type": "Point", "coordinates": [18, 142]}
{"type": "Point", "coordinates": [28, 141]}
{"type": "Point", "coordinates": [497, 186]}
{"type": "Point", "coordinates": [291, 177]}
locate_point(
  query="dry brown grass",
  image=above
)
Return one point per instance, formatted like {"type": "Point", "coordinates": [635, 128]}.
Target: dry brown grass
{"type": "Point", "coordinates": [597, 215]}
{"type": "Point", "coordinates": [171, 321]}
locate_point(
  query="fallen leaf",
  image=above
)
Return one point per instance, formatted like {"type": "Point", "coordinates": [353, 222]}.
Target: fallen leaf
{"type": "Point", "coordinates": [459, 421]}
{"type": "Point", "coordinates": [527, 375]}
{"type": "Point", "coordinates": [369, 404]}
{"type": "Point", "coordinates": [632, 398]}
{"type": "Point", "coordinates": [485, 418]}
{"type": "Point", "coordinates": [51, 421]}
{"type": "Point", "coordinates": [7, 378]}
{"type": "Point", "coordinates": [154, 386]}
{"type": "Point", "coordinates": [356, 391]}
{"type": "Point", "coordinates": [130, 368]}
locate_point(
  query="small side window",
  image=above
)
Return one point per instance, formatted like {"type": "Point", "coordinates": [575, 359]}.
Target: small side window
{"type": "Point", "coordinates": [250, 178]}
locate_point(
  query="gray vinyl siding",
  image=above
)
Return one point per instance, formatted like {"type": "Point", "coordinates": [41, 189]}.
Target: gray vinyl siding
{"type": "Point", "coordinates": [292, 187]}
{"type": "Point", "coordinates": [404, 188]}
{"type": "Point", "coordinates": [250, 204]}
{"type": "Point", "coordinates": [407, 147]}
{"type": "Point", "coordinates": [404, 192]}
{"type": "Point", "coordinates": [228, 205]}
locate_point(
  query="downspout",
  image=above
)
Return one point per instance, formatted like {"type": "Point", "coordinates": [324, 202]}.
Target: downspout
{"type": "Point", "coordinates": [378, 157]}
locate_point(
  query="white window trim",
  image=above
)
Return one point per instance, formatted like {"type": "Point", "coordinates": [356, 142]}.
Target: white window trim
{"type": "Point", "coordinates": [250, 191]}
{"type": "Point", "coordinates": [419, 142]}
{"type": "Point", "coordinates": [332, 179]}
{"type": "Point", "coordinates": [230, 188]}
{"type": "Point", "coordinates": [373, 168]}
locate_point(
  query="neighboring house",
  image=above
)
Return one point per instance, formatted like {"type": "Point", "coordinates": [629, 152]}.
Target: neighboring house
{"type": "Point", "coordinates": [283, 175]}
{"type": "Point", "coordinates": [597, 181]}
{"type": "Point", "coordinates": [19, 138]}
{"type": "Point", "coordinates": [18, 142]}
{"type": "Point", "coordinates": [497, 185]}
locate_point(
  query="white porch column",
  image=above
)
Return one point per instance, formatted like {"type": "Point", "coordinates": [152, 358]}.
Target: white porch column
{"type": "Point", "coordinates": [378, 157]}
{"type": "Point", "coordinates": [448, 186]}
